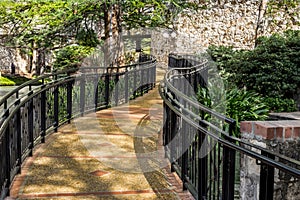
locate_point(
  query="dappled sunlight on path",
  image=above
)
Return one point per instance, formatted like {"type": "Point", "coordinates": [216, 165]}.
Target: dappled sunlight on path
{"type": "Point", "coordinates": [112, 154]}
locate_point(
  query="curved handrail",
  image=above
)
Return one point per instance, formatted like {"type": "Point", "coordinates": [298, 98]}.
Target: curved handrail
{"type": "Point", "coordinates": [66, 72]}
{"type": "Point", "coordinates": [179, 110]}
{"type": "Point", "coordinates": [30, 117]}
{"type": "Point", "coordinates": [198, 68]}
{"type": "Point", "coordinates": [181, 106]}
{"type": "Point", "coordinates": [32, 82]}
{"type": "Point", "coordinates": [166, 83]}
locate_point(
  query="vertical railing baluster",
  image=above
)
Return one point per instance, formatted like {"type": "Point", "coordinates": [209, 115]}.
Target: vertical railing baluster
{"type": "Point", "coordinates": [214, 171]}
{"type": "Point", "coordinates": [56, 108]}
{"type": "Point", "coordinates": [202, 166]}
{"type": "Point", "coordinates": [228, 168]}
{"type": "Point", "coordinates": [30, 126]}
{"type": "Point", "coordinates": [18, 136]}
{"type": "Point", "coordinates": [8, 157]}
{"type": "Point", "coordinates": [116, 89]}
{"type": "Point", "coordinates": [107, 89]}
{"type": "Point", "coordinates": [126, 86]}
{"type": "Point", "coordinates": [266, 184]}
{"type": "Point", "coordinates": [148, 82]}
{"type": "Point", "coordinates": [135, 83]}
{"type": "Point", "coordinates": [82, 94]}
{"type": "Point", "coordinates": [141, 81]}
{"type": "Point", "coordinates": [69, 100]}
{"type": "Point", "coordinates": [165, 124]}
{"type": "Point", "coordinates": [184, 157]}
{"type": "Point", "coordinates": [43, 115]}
{"type": "Point", "coordinates": [153, 75]}
{"type": "Point", "coordinates": [96, 83]}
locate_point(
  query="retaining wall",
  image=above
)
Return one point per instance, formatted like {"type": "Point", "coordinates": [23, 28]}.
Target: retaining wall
{"type": "Point", "coordinates": [231, 23]}
{"type": "Point", "coordinates": [282, 137]}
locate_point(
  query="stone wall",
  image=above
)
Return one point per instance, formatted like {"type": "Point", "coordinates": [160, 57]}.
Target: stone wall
{"type": "Point", "coordinates": [282, 137]}
{"type": "Point", "coordinates": [232, 23]}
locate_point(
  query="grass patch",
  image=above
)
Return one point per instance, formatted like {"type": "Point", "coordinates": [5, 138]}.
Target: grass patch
{"type": "Point", "coordinates": [6, 82]}
{"type": "Point", "coordinates": [13, 80]}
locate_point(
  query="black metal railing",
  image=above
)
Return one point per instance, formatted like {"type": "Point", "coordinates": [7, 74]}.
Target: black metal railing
{"type": "Point", "coordinates": [56, 99]}
{"type": "Point", "coordinates": [200, 145]}
{"type": "Point", "coordinates": [183, 60]}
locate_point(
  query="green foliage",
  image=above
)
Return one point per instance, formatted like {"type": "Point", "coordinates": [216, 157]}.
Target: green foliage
{"type": "Point", "coordinates": [240, 105]}
{"type": "Point", "coordinates": [221, 55]}
{"type": "Point", "coordinates": [48, 25]}
{"type": "Point", "coordinates": [6, 81]}
{"type": "Point", "coordinates": [280, 105]}
{"type": "Point", "coordinates": [271, 69]}
{"type": "Point", "coordinates": [153, 13]}
{"type": "Point", "coordinates": [87, 38]}
{"type": "Point", "coordinates": [71, 56]}
{"type": "Point", "coordinates": [288, 9]}
{"type": "Point", "coordinates": [243, 105]}
{"type": "Point", "coordinates": [13, 80]}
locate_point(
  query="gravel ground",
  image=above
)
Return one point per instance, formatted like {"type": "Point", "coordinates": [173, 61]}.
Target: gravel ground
{"type": "Point", "coordinates": [118, 150]}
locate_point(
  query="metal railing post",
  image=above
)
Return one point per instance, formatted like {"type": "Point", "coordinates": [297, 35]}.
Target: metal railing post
{"type": "Point", "coordinates": [56, 108]}
{"type": "Point", "coordinates": [8, 158]}
{"type": "Point", "coordinates": [134, 84]}
{"type": "Point", "coordinates": [266, 184]}
{"type": "Point", "coordinates": [126, 86]}
{"type": "Point", "coordinates": [228, 168]}
{"type": "Point", "coordinates": [82, 94]}
{"type": "Point", "coordinates": [107, 93]}
{"type": "Point", "coordinates": [184, 157]}
{"type": "Point", "coordinates": [69, 100]}
{"type": "Point", "coordinates": [96, 92]}
{"type": "Point", "coordinates": [116, 89]}
{"type": "Point", "coordinates": [43, 115]}
{"type": "Point", "coordinates": [142, 81]}
{"type": "Point", "coordinates": [202, 166]}
{"type": "Point", "coordinates": [30, 126]}
{"type": "Point", "coordinates": [148, 80]}
{"type": "Point", "coordinates": [19, 137]}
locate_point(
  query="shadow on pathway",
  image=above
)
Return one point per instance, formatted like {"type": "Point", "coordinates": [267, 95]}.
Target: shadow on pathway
{"type": "Point", "coordinates": [112, 154]}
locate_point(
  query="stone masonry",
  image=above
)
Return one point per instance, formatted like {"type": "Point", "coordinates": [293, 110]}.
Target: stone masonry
{"type": "Point", "coordinates": [231, 23]}
{"type": "Point", "coordinates": [282, 137]}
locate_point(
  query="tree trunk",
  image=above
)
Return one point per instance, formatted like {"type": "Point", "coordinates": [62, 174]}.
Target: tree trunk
{"type": "Point", "coordinates": [261, 14]}
{"type": "Point", "coordinates": [113, 45]}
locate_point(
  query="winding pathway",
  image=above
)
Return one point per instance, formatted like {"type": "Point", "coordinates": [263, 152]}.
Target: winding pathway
{"type": "Point", "coordinates": [112, 154]}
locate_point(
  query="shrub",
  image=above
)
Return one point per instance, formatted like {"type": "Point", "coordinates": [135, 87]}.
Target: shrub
{"type": "Point", "coordinates": [6, 82]}
{"type": "Point", "coordinates": [240, 105]}
{"type": "Point", "coordinates": [280, 105]}
{"type": "Point", "coordinates": [243, 105]}
{"type": "Point", "coordinates": [13, 80]}
{"type": "Point", "coordinates": [272, 69]}
{"type": "Point", "coordinates": [71, 56]}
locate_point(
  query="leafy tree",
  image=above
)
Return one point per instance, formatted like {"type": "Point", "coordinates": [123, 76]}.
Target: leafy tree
{"type": "Point", "coordinates": [45, 25]}
{"type": "Point", "coordinates": [271, 13]}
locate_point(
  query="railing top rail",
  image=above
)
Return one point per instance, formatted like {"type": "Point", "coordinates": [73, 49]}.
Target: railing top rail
{"type": "Point", "coordinates": [193, 69]}
{"type": "Point", "coordinates": [168, 91]}
{"type": "Point", "coordinates": [30, 83]}
{"type": "Point", "coordinates": [38, 110]}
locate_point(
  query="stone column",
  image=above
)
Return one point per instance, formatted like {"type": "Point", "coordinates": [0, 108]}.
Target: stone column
{"type": "Point", "coordinates": [282, 137]}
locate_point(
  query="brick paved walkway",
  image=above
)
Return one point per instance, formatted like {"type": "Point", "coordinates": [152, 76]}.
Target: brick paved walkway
{"type": "Point", "coordinates": [112, 154]}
